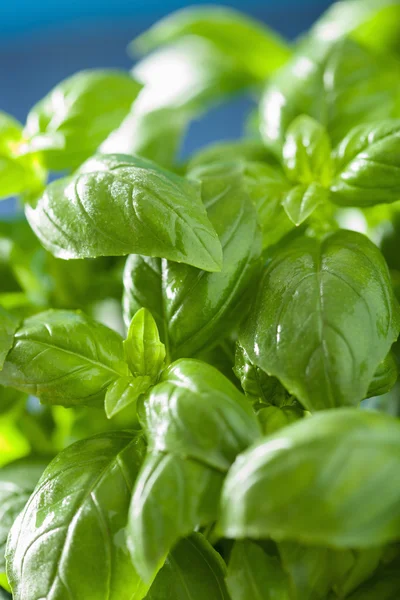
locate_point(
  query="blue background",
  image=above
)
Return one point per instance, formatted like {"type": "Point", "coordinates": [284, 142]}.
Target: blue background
{"type": "Point", "coordinates": [44, 41]}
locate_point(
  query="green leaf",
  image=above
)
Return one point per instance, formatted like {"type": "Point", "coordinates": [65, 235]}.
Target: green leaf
{"type": "Point", "coordinates": [192, 571]}
{"type": "Point", "coordinates": [360, 87]}
{"type": "Point", "coordinates": [69, 540]}
{"type": "Point", "coordinates": [196, 423]}
{"type": "Point", "coordinates": [324, 318]}
{"type": "Point", "coordinates": [17, 173]}
{"type": "Point", "coordinates": [273, 418]}
{"type": "Point", "coordinates": [192, 412]}
{"type": "Point", "coordinates": [301, 201]}
{"type": "Point", "coordinates": [267, 187]}
{"type": "Point", "coordinates": [63, 357]}
{"type": "Point", "coordinates": [365, 563]}
{"type": "Point", "coordinates": [385, 585]}
{"type": "Point", "coordinates": [194, 309]}
{"type": "Point", "coordinates": [124, 392]}
{"type": "Point", "coordinates": [173, 496]}
{"type": "Point", "coordinates": [144, 352]}
{"type": "Point", "coordinates": [313, 570]}
{"type": "Point", "coordinates": [252, 573]}
{"type": "Point", "coordinates": [252, 46]}
{"type": "Point", "coordinates": [155, 212]}
{"type": "Point", "coordinates": [306, 152]}
{"type": "Point", "coordinates": [8, 326]}
{"type": "Point", "coordinates": [347, 455]}
{"type": "Point", "coordinates": [256, 384]}
{"type": "Point", "coordinates": [156, 134]}
{"type": "Point", "coordinates": [17, 482]}
{"type": "Point", "coordinates": [371, 22]}
{"type": "Point", "coordinates": [143, 288]}
{"type": "Point", "coordinates": [70, 123]}
{"type": "Point", "coordinates": [385, 376]}
{"type": "Point", "coordinates": [246, 150]}
{"type": "Point", "coordinates": [339, 83]}
{"type": "Point", "coordinates": [368, 166]}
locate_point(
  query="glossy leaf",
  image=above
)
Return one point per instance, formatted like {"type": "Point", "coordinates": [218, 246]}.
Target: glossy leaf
{"type": "Point", "coordinates": [143, 288]}
{"type": "Point", "coordinates": [193, 571]}
{"type": "Point", "coordinates": [256, 384]}
{"type": "Point", "coordinates": [195, 309]}
{"type": "Point", "coordinates": [172, 497]}
{"type": "Point", "coordinates": [192, 412]}
{"type": "Point", "coordinates": [336, 82]}
{"type": "Point", "coordinates": [252, 46]}
{"type": "Point", "coordinates": [17, 482]}
{"type": "Point", "coordinates": [301, 201]}
{"type": "Point", "coordinates": [368, 165]}
{"type": "Point", "coordinates": [8, 326]}
{"type": "Point", "coordinates": [306, 152]}
{"type": "Point", "coordinates": [70, 123]}
{"type": "Point", "coordinates": [124, 392]}
{"type": "Point", "coordinates": [63, 357]}
{"type": "Point", "coordinates": [385, 376]}
{"type": "Point", "coordinates": [348, 454]}
{"type": "Point", "coordinates": [324, 318]}
{"type": "Point", "coordinates": [196, 423]}
{"type": "Point", "coordinates": [267, 187]}
{"type": "Point", "coordinates": [252, 573]}
{"type": "Point", "coordinates": [144, 352]}
{"type": "Point", "coordinates": [154, 212]}
{"type": "Point", "coordinates": [17, 173]}
{"type": "Point", "coordinates": [74, 524]}
{"type": "Point", "coordinates": [360, 87]}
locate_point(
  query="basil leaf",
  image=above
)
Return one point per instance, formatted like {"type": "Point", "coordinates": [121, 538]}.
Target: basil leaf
{"type": "Point", "coordinates": [345, 454]}
{"type": "Point", "coordinates": [155, 213]}
{"type": "Point", "coordinates": [196, 422]}
{"type": "Point", "coordinates": [253, 47]}
{"type": "Point", "coordinates": [339, 291]}
{"type": "Point", "coordinates": [143, 288]}
{"type": "Point", "coordinates": [365, 563]}
{"type": "Point", "coordinates": [306, 152]}
{"type": "Point", "coordinates": [17, 481]}
{"type": "Point", "coordinates": [144, 352]}
{"type": "Point", "coordinates": [70, 123]}
{"type": "Point", "coordinates": [312, 570]}
{"type": "Point", "coordinates": [360, 87]}
{"type": "Point", "coordinates": [385, 376]}
{"type": "Point", "coordinates": [82, 499]}
{"type": "Point", "coordinates": [368, 165]}
{"type": "Point", "coordinates": [340, 84]}
{"type": "Point", "coordinates": [301, 201]}
{"type": "Point", "coordinates": [8, 326]}
{"type": "Point", "coordinates": [154, 133]}
{"type": "Point", "coordinates": [267, 187]}
{"type": "Point", "coordinates": [188, 412]}
{"type": "Point", "coordinates": [252, 573]}
{"type": "Point", "coordinates": [273, 418]}
{"type": "Point", "coordinates": [371, 22]}
{"type": "Point", "coordinates": [124, 392]}
{"type": "Point", "coordinates": [246, 150]}
{"type": "Point", "coordinates": [173, 496]}
{"type": "Point", "coordinates": [63, 357]}
{"type": "Point", "coordinates": [256, 384]}
{"type": "Point", "coordinates": [385, 585]}
{"type": "Point", "coordinates": [196, 309]}
{"type": "Point", "coordinates": [192, 571]}
{"type": "Point", "coordinates": [17, 173]}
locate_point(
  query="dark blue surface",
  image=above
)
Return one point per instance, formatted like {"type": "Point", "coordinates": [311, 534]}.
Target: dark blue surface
{"type": "Point", "coordinates": [44, 41]}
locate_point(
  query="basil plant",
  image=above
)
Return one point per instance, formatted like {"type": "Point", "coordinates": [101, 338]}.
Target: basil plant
{"type": "Point", "coordinates": [198, 359]}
